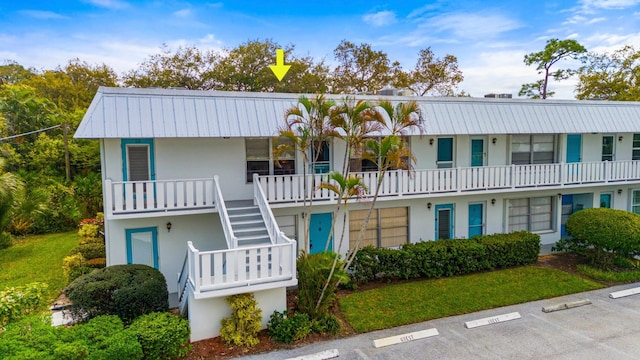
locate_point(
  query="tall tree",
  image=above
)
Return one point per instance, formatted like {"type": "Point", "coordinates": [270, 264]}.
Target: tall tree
{"type": "Point", "coordinates": [431, 75]}
{"type": "Point", "coordinates": [554, 51]}
{"type": "Point", "coordinates": [614, 76]}
{"type": "Point", "coordinates": [361, 69]}
{"type": "Point", "coordinates": [73, 86]}
{"type": "Point", "coordinates": [186, 68]}
{"type": "Point", "coordinates": [246, 68]}
{"type": "Point", "coordinates": [12, 73]}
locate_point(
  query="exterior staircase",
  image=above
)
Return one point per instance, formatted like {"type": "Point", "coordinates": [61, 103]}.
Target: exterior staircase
{"type": "Point", "coordinates": [247, 223]}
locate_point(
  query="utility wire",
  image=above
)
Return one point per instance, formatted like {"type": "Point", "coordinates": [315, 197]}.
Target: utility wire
{"type": "Point", "coordinates": [30, 132]}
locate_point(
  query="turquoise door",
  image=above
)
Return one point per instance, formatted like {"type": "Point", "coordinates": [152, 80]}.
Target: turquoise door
{"type": "Point", "coordinates": [605, 201]}
{"type": "Point", "coordinates": [574, 148]}
{"type": "Point", "coordinates": [142, 246]}
{"type": "Point", "coordinates": [320, 233]}
{"type": "Point", "coordinates": [445, 153]}
{"type": "Point", "coordinates": [444, 221]}
{"type": "Point", "coordinates": [475, 220]}
{"type": "Point", "coordinates": [477, 152]}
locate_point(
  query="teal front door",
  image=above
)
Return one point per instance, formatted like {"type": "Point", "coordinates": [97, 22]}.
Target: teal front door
{"type": "Point", "coordinates": [320, 233]}
{"type": "Point", "coordinates": [475, 219]}
{"type": "Point", "coordinates": [574, 148]}
{"type": "Point", "coordinates": [142, 246]}
{"type": "Point", "coordinates": [444, 221]}
{"type": "Point", "coordinates": [605, 200]}
{"type": "Point", "coordinates": [477, 152]}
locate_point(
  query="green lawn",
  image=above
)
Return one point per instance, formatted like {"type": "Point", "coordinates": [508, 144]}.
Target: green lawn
{"type": "Point", "coordinates": [37, 258]}
{"type": "Point", "coordinates": [412, 302]}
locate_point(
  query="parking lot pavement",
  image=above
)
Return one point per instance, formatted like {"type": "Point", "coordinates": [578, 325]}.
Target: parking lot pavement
{"type": "Point", "coordinates": [605, 329]}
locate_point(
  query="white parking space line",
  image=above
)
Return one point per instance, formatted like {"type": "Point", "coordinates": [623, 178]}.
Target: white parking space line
{"type": "Point", "coordinates": [492, 320]}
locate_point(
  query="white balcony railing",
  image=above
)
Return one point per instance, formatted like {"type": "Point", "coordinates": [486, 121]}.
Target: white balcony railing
{"type": "Point", "coordinates": [237, 269]}
{"type": "Point", "coordinates": [289, 188]}
{"type": "Point", "coordinates": [130, 197]}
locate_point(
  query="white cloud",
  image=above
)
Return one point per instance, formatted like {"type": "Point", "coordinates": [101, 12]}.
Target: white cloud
{"type": "Point", "coordinates": [381, 18]}
{"type": "Point", "coordinates": [472, 25]}
{"type": "Point", "coordinates": [109, 4]}
{"type": "Point", "coordinates": [43, 15]}
{"type": "Point", "coordinates": [609, 4]}
{"type": "Point", "coordinates": [421, 10]}
{"type": "Point", "coordinates": [183, 13]}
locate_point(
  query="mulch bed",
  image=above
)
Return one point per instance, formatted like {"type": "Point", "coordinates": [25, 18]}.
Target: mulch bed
{"type": "Point", "coordinates": [216, 349]}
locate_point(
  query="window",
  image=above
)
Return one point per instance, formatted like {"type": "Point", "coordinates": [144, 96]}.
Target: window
{"type": "Point", "coordinates": [532, 149]}
{"type": "Point", "coordinates": [445, 153]}
{"type": "Point", "coordinates": [321, 164]}
{"type": "Point", "coordinates": [358, 164]}
{"type": "Point", "coordinates": [636, 147]}
{"type": "Point", "coordinates": [607, 148]}
{"type": "Point", "coordinates": [260, 160]}
{"type": "Point", "coordinates": [635, 202]}
{"type": "Point", "coordinates": [531, 214]}
{"type": "Point", "coordinates": [387, 227]}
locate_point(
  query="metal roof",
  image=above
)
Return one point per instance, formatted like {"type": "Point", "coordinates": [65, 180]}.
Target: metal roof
{"type": "Point", "coordinates": [172, 113]}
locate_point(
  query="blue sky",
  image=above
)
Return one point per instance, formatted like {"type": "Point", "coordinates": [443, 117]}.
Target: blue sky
{"type": "Point", "coordinates": [490, 38]}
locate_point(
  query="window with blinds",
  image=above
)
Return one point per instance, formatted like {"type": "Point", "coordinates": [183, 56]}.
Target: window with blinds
{"type": "Point", "coordinates": [532, 149]}
{"type": "Point", "coordinates": [261, 160]}
{"type": "Point", "coordinates": [138, 162]}
{"type": "Point", "coordinates": [388, 227]}
{"type": "Point", "coordinates": [635, 155]}
{"type": "Point", "coordinates": [531, 214]}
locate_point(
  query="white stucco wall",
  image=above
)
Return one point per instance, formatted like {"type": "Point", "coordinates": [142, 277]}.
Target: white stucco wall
{"type": "Point", "coordinates": [205, 314]}
{"type": "Point", "coordinates": [204, 230]}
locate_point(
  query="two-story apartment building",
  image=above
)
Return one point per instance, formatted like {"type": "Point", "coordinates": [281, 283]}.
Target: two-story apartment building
{"type": "Point", "coordinates": [191, 186]}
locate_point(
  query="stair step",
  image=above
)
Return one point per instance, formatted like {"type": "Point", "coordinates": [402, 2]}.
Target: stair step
{"type": "Point", "coordinates": [243, 208]}
{"type": "Point", "coordinates": [235, 216]}
{"type": "Point", "coordinates": [253, 242]}
{"type": "Point", "coordinates": [246, 222]}
{"type": "Point", "coordinates": [254, 229]}
{"type": "Point", "coordinates": [254, 237]}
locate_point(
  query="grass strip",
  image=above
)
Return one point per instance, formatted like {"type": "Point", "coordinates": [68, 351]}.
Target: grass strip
{"type": "Point", "coordinates": [412, 302]}
{"type": "Point", "coordinates": [37, 258]}
{"type": "Point", "coordinates": [610, 276]}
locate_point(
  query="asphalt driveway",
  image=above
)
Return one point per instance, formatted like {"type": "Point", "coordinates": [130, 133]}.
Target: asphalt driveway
{"type": "Point", "coordinates": [605, 329]}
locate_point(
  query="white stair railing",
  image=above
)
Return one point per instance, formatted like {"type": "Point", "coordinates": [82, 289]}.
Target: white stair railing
{"type": "Point", "coordinates": [276, 236]}
{"type": "Point", "coordinates": [232, 240]}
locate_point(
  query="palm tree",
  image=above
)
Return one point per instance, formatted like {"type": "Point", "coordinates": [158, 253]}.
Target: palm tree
{"type": "Point", "coordinates": [307, 128]}
{"type": "Point", "coordinates": [346, 188]}
{"type": "Point", "coordinates": [389, 152]}
{"type": "Point", "coordinates": [352, 121]}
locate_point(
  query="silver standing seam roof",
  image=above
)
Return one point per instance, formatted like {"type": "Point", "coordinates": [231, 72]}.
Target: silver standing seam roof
{"type": "Point", "coordinates": [172, 113]}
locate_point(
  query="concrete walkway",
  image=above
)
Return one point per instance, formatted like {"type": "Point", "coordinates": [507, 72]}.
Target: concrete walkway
{"type": "Point", "coordinates": [605, 329]}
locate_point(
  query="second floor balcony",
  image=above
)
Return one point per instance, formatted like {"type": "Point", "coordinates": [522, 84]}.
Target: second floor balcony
{"type": "Point", "coordinates": [461, 180]}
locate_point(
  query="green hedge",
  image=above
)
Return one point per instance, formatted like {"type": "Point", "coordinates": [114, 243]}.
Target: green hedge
{"type": "Point", "coordinates": [89, 251]}
{"type": "Point", "coordinates": [434, 259]}
{"type": "Point", "coordinates": [124, 290]}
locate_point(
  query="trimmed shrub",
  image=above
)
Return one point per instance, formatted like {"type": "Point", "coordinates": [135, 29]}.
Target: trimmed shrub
{"type": "Point", "coordinates": [101, 338]}
{"type": "Point", "coordinates": [286, 329]}
{"type": "Point", "coordinates": [162, 335]}
{"type": "Point", "coordinates": [74, 266]}
{"type": "Point", "coordinates": [97, 263]}
{"type": "Point", "coordinates": [442, 258]}
{"type": "Point", "coordinates": [607, 233]}
{"type": "Point", "coordinates": [6, 240]}
{"type": "Point", "coordinates": [127, 291]}
{"type": "Point", "coordinates": [242, 327]}
{"type": "Point", "coordinates": [89, 251]}
{"type": "Point", "coordinates": [327, 324]}
{"type": "Point", "coordinates": [313, 272]}
{"type": "Point", "coordinates": [16, 302]}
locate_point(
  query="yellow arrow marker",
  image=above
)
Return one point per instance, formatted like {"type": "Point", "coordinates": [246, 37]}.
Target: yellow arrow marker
{"type": "Point", "coordinates": [280, 69]}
